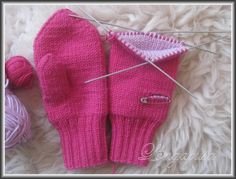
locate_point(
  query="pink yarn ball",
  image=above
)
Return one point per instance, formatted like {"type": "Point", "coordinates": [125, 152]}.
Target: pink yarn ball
{"type": "Point", "coordinates": [19, 72]}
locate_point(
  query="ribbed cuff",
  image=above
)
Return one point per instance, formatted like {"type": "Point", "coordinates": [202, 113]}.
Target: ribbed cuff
{"type": "Point", "coordinates": [83, 141]}
{"type": "Point", "coordinates": [132, 140]}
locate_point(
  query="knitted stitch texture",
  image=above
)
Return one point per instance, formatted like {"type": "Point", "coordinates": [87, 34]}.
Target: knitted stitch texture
{"type": "Point", "coordinates": [67, 52]}
{"type": "Point", "coordinates": [139, 98]}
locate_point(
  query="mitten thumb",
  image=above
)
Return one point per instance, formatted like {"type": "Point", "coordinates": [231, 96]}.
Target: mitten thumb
{"type": "Point", "coordinates": [53, 79]}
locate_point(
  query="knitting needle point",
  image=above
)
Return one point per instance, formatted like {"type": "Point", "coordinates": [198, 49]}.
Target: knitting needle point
{"type": "Point", "coordinates": [172, 79]}
{"type": "Point", "coordinates": [202, 49]}
{"type": "Point", "coordinates": [105, 28]}
{"type": "Point", "coordinates": [197, 46]}
{"type": "Point", "coordinates": [142, 64]}
{"type": "Point", "coordinates": [217, 39]}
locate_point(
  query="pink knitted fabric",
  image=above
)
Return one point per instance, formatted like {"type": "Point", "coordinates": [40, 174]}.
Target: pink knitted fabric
{"type": "Point", "coordinates": [67, 52]}
{"type": "Point", "coordinates": [139, 98]}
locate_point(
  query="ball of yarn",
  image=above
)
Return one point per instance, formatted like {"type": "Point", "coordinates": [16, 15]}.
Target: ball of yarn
{"type": "Point", "coordinates": [19, 72]}
{"type": "Point", "coordinates": [17, 121]}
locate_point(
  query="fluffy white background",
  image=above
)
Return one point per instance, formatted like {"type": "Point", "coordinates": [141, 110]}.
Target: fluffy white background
{"type": "Point", "coordinates": [193, 127]}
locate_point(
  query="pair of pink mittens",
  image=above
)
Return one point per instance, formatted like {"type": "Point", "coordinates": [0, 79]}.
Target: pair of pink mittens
{"type": "Point", "coordinates": [69, 51]}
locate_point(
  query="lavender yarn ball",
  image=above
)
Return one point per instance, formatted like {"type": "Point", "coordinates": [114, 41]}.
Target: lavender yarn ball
{"type": "Point", "coordinates": [17, 121]}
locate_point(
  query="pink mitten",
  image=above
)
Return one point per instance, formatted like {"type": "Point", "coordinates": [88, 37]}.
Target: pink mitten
{"type": "Point", "coordinates": [67, 52]}
{"type": "Point", "coordinates": [140, 97]}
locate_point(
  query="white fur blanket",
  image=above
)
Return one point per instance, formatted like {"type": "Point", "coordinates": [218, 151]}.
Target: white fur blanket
{"type": "Point", "coordinates": [195, 139]}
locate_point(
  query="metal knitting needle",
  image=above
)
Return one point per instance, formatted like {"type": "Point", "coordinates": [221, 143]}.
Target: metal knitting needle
{"type": "Point", "coordinates": [222, 37]}
{"type": "Point", "coordinates": [117, 72]}
{"type": "Point", "coordinates": [101, 24]}
{"type": "Point", "coordinates": [145, 63]}
{"type": "Point", "coordinates": [108, 30]}
{"type": "Point", "coordinates": [105, 28]}
{"type": "Point", "coordinates": [202, 49]}
{"type": "Point", "coordinates": [172, 79]}
{"type": "Point", "coordinates": [72, 15]}
{"type": "Point", "coordinates": [197, 46]}
{"type": "Point", "coordinates": [161, 31]}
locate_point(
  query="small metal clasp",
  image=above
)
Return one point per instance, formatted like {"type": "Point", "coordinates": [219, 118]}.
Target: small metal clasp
{"type": "Point", "coordinates": [155, 99]}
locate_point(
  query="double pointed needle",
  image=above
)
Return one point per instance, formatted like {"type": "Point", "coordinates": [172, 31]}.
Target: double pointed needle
{"type": "Point", "coordinates": [148, 61]}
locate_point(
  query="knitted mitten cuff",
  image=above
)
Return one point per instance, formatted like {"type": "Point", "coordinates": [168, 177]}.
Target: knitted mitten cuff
{"type": "Point", "coordinates": [83, 141]}
{"type": "Point", "coordinates": [130, 139]}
